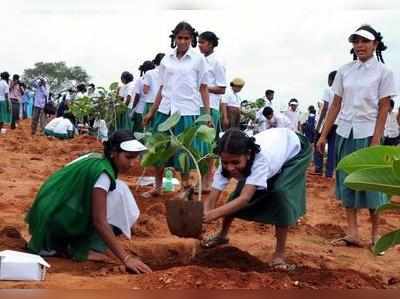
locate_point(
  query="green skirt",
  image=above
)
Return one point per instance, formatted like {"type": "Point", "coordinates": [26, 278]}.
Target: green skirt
{"type": "Point", "coordinates": [284, 201]}
{"type": "Point", "coordinates": [350, 198]}
{"type": "Point", "coordinates": [158, 119]}
{"type": "Point", "coordinates": [4, 112]}
{"type": "Point", "coordinates": [124, 121]}
{"type": "Point", "coordinates": [147, 108]}
{"type": "Point", "coordinates": [137, 122]}
{"type": "Point", "coordinates": [69, 135]}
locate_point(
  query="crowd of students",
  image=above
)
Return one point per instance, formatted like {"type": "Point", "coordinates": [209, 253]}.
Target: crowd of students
{"type": "Point", "coordinates": [270, 166]}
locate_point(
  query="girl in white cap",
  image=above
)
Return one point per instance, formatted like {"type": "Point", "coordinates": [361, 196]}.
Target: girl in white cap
{"type": "Point", "coordinates": [231, 105]}
{"type": "Point", "coordinates": [69, 215]}
{"type": "Point", "coordinates": [183, 82]}
{"type": "Point", "coordinates": [363, 89]}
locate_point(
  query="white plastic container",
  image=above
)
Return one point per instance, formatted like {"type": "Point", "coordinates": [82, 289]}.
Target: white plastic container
{"type": "Point", "coordinates": [16, 265]}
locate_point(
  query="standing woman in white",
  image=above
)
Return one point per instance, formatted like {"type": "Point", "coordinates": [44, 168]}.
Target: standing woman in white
{"type": "Point", "coordinates": [363, 89]}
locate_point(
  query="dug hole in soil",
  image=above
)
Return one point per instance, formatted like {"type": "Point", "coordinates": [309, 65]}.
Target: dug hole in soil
{"type": "Point", "coordinates": [180, 263]}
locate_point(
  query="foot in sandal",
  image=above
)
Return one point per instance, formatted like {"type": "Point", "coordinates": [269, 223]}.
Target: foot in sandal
{"type": "Point", "coordinates": [214, 241]}
{"type": "Point", "coordinates": [282, 265]}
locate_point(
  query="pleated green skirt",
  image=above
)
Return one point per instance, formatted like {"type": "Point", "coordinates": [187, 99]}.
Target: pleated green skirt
{"type": "Point", "coordinates": [4, 112]}
{"type": "Point", "coordinates": [137, 122]}
{"type": "Point", "coordinates": [350, 198]}
{"type": "Point", "coordinates": [284, 201]}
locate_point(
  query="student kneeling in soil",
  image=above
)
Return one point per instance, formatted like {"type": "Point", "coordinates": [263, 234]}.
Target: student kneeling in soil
{"type": "Point", "coordinates": [69, 215]}
{"type": "Point", "coordinates": [271, 173]}
{"type": "Point", "coordinates": [61, 127]}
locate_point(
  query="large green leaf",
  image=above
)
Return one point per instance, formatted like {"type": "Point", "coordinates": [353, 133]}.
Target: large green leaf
{"type": "Point", "coordinates": [170, 122]}
{"type": "Point", "coordinates": [380, 179]}
{"type": "Point", "coordinates": [187, 136]}
{"type": "Point", "coordinates": [140, 135]}
{"type": "Point", "coordinates": [152, 156]}
{"type": "Point", "coordinates": [396, 166]}
{"type": "Point", "coordinates": [388, 240]}
{"type": "Point", "coordinates": [206, 134]}
{"type": "Point", "coordinates": [375, 156]}
{"type": "Point", "coordinates": [388, 206]}
{"type": "Point", "coordinates": [204, 118]}
{"type": "Point", "coordinates": [113, 86]}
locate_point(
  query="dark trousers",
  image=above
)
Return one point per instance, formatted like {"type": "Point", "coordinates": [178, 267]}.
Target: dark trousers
{"type": "Point", "coordinates": [330, 162]}
{"type": "Point", "coordinates": [14, 112]}
{"type": "Point", "coordinates": [38, 116]}
{"type": "Point", "coordinates": [391, 141]}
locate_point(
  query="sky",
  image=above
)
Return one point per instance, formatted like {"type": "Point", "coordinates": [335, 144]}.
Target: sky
{"type": "Point", "coordinates": [287, 46]}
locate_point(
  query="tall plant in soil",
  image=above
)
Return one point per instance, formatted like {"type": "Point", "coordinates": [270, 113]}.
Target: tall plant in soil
{"type": "Point", "coordinates": [376, 168]}
{"type": "Point", "coordinates": [184, 217]}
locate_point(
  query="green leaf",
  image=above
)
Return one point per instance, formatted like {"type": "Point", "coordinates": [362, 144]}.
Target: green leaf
{"type": "Point", "coordinates": [388, 206]}
{"type": "Point", "coordinates": [113, 86]}
{"type": "Point", "coordinates": [387, 241]}
{"type": "Point", "coordinates": [183, 160]}
{"type": "Point", "coordinates": [375, 156]}
{"type": "Point", "coordinates": [381, 179]}
{"type": "Point", "coordinates": [187, 136]}
{"type": "Point", "coordinates": [206, 134]}
{"type": "Point", "coordinates": [170, 122]}
{"type": "Point", "coordinates": [140, 135]}
{"type": "Point", "coordinates": [396, 166]}
{"type": "Point", "coordinates": [204, 118]}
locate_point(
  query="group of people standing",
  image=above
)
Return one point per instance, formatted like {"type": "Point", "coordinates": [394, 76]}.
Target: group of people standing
{"type": "Point", "coordinates": [270, 167]}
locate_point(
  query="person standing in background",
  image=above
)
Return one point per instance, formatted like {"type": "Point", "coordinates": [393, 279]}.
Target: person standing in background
{"type": "Point", "coordinates": [4, 102]}
{"type": "Point", "coordinates": [38, 114]}
{"type": "Point", "coordinates": [293, 115]}
{"type": "Point", "coordinates": [231, 105]}
{"type": "Point", "coordinates": [16, 92]}
{"type": "Point", "coordinates": [391, 127]}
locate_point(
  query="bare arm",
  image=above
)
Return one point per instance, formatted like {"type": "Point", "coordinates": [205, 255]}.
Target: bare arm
{"type": "Point", "coordinates": [232, 206]}
{"type": "Point", "coordinates": [216, 89]}
{"type": "Point", "coordinates": [383, 110]}
{"type": "Point", "coordinates": [136, 100]}
{"type": "Point", "coordinates": [99, 220]}
{"type": "Point", "coordinates": [128, 100]}
{"type": "Point", "coordinates": [322, 115]}
{"type": "Point", "coordinates": [225, 121]}
{"type": "Point", "coordinates": [330, 120]}
{"type": "Point", "coordinates": [154, 107]}
{"type": "Point", "coordinates": [211, 201]}
{"type": "Point", "coordinates": [205, 97]}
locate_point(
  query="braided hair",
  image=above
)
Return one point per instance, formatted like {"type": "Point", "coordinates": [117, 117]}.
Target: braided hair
{"type": "Point", "coordinates": [237, 142]}
{"type": "Point", "coordinates": [146, 66]}
{"type": "Point", "coordinates": [378, 38]}
{"type": "Point", "coordinates": [210, 37]}
{"type": "Point", "coordinates": [158, 58]}
{"type": "Point", "coordinates": [182, 26]}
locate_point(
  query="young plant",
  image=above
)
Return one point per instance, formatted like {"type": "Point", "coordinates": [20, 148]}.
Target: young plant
{"type": "Point", "coordinates": [376, 168]}
{"type": "Point", "coordinates": [164, 144]}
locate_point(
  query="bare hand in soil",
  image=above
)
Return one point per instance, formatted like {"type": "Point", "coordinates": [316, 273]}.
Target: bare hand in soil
{"type": "Point", "coordinates": [210, 216]}
{"type": "Point", "coordinates": [135, 265]}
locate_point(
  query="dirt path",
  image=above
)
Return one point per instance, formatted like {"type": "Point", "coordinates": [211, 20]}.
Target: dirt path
{"type": "Point", "coordinates": [179, 263]}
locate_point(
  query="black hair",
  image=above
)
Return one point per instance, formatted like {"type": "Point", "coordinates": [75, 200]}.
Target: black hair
{"type": "Point", "coordinates": [269, 91]}
{"type": "Point", "coordinates": [236, 142]}
{"type": "Point", "coordinates": [378, 38]}
{"type": "Point", "coordinates": [126, 77]}
{"type": "Point", "coordinates": [70, 116]}
{"type": "Point", "coordinates": [15, 77]}
{"type": "Point", "coordinates": [92, 85]}
{"type": "Point", "coordinates": [114, 142]}
{"type": "Point", "coordinates": [332, 76]}
{"type": "Point", "coordinates": [146, 66]}
{"type": "Point", "coordinates": [81, 87]}
{"type": "Point", "coordinates": [211, 37]}
{"type": "Point", "coordinates": [5, 76]}
{"type": "Point", "coordinates": [293, 100]}
{"type": "Point", "coordinates": [268, 111]}
{"type": "Point", "coordinates": [181, 27]}
{"type": "Point", "coordinates": [391, 103]}
{"type": "Point", "coordinates": [311, 109]}
{"type": "Point", "coordinates": [158, 58]}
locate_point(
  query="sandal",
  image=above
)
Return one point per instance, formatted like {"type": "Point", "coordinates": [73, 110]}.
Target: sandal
{"type": "Point", "coordinates": [213, 241]}
{"type": "Point", "coordinates": [151, 193]}
{"type": "Point", "coordinates": [281, 265]}
{"type": "Point", "coordinates": [346, 241]}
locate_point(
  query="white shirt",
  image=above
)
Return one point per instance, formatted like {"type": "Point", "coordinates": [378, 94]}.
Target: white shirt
{"type": "Point", "coordinates": [181, 80]}
{"type": "Point", "coordinates": [216, 77]}
{"type": "Point", "coordinates": [139, 90]}
{"type": "Point", "coordinates": [277, 145]}
{"type": "Point", "coordinates": [327, 97]}
{"type": "Point", "coordinates": [278, 120]}
{"type": "Point", "coordinates": [361, 86]}
{"type": "Point", "coordinates": [152, 79]}
{"type": "Point", "coordinates": [101, 125]}
{"type": "Point", "coordinates": [231, 99]}
{"type": "Point", "coordinates": [129, 90]}
{"type": "Point", "coordinates": [391, 126]}
{"type": "Point", "coordinates": [294, 118]}
{"type": "Point", "coordinates": [3, 90]}
{"type": "Point", "coordinates": [60, 125]}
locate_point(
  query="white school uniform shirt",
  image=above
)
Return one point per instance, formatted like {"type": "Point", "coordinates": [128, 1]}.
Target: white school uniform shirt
{"type": "Point", "coordinates": [60, 125]}
{"type": "Point", "coordinates": [152, 79]}
{"type": "Point", "coordinates": [53, 123]}
{"type": "Point", "coordinates": [278, 120]}
{"type": "Point", "coordinates": [361, 86]}
{"type": "Point", "coordinates": [277, 145]}
{"type": "Point", "coordinates": [391, 126]}
{"type": "Point", "coordinates": [122, 210]}
{"type": "Point", "coordinates": [216, 77]}
{"type": "Point", "coordinates": [129, 90]}
{"type": "Point", "coordinates": [139, 90]}
{"type": "Point", "coordinates": [181, 80]}
{"type": "Point", "coordinates": [231, 99]}
{"type": "Point", "coordinates": [3, 90]}
{"type": "Point", "coordinates": [294, 118]}
{"type": "Point", "coordinates": [327, 97]}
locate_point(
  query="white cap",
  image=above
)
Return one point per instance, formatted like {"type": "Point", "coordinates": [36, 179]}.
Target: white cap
{"type": "Point", "coordinates": [363, 33]}
{"type": "Point", "coordinates": [132, 146]}
{"type": "Point", "coordinates": [292, 102]}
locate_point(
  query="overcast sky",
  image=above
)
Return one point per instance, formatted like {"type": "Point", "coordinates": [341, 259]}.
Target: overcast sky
{"type": "Point", "coordinates": [286, 46]}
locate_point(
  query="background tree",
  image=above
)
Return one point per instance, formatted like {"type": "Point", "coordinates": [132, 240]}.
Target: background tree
{"type": "Point", "coordinates": [59, 75]}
